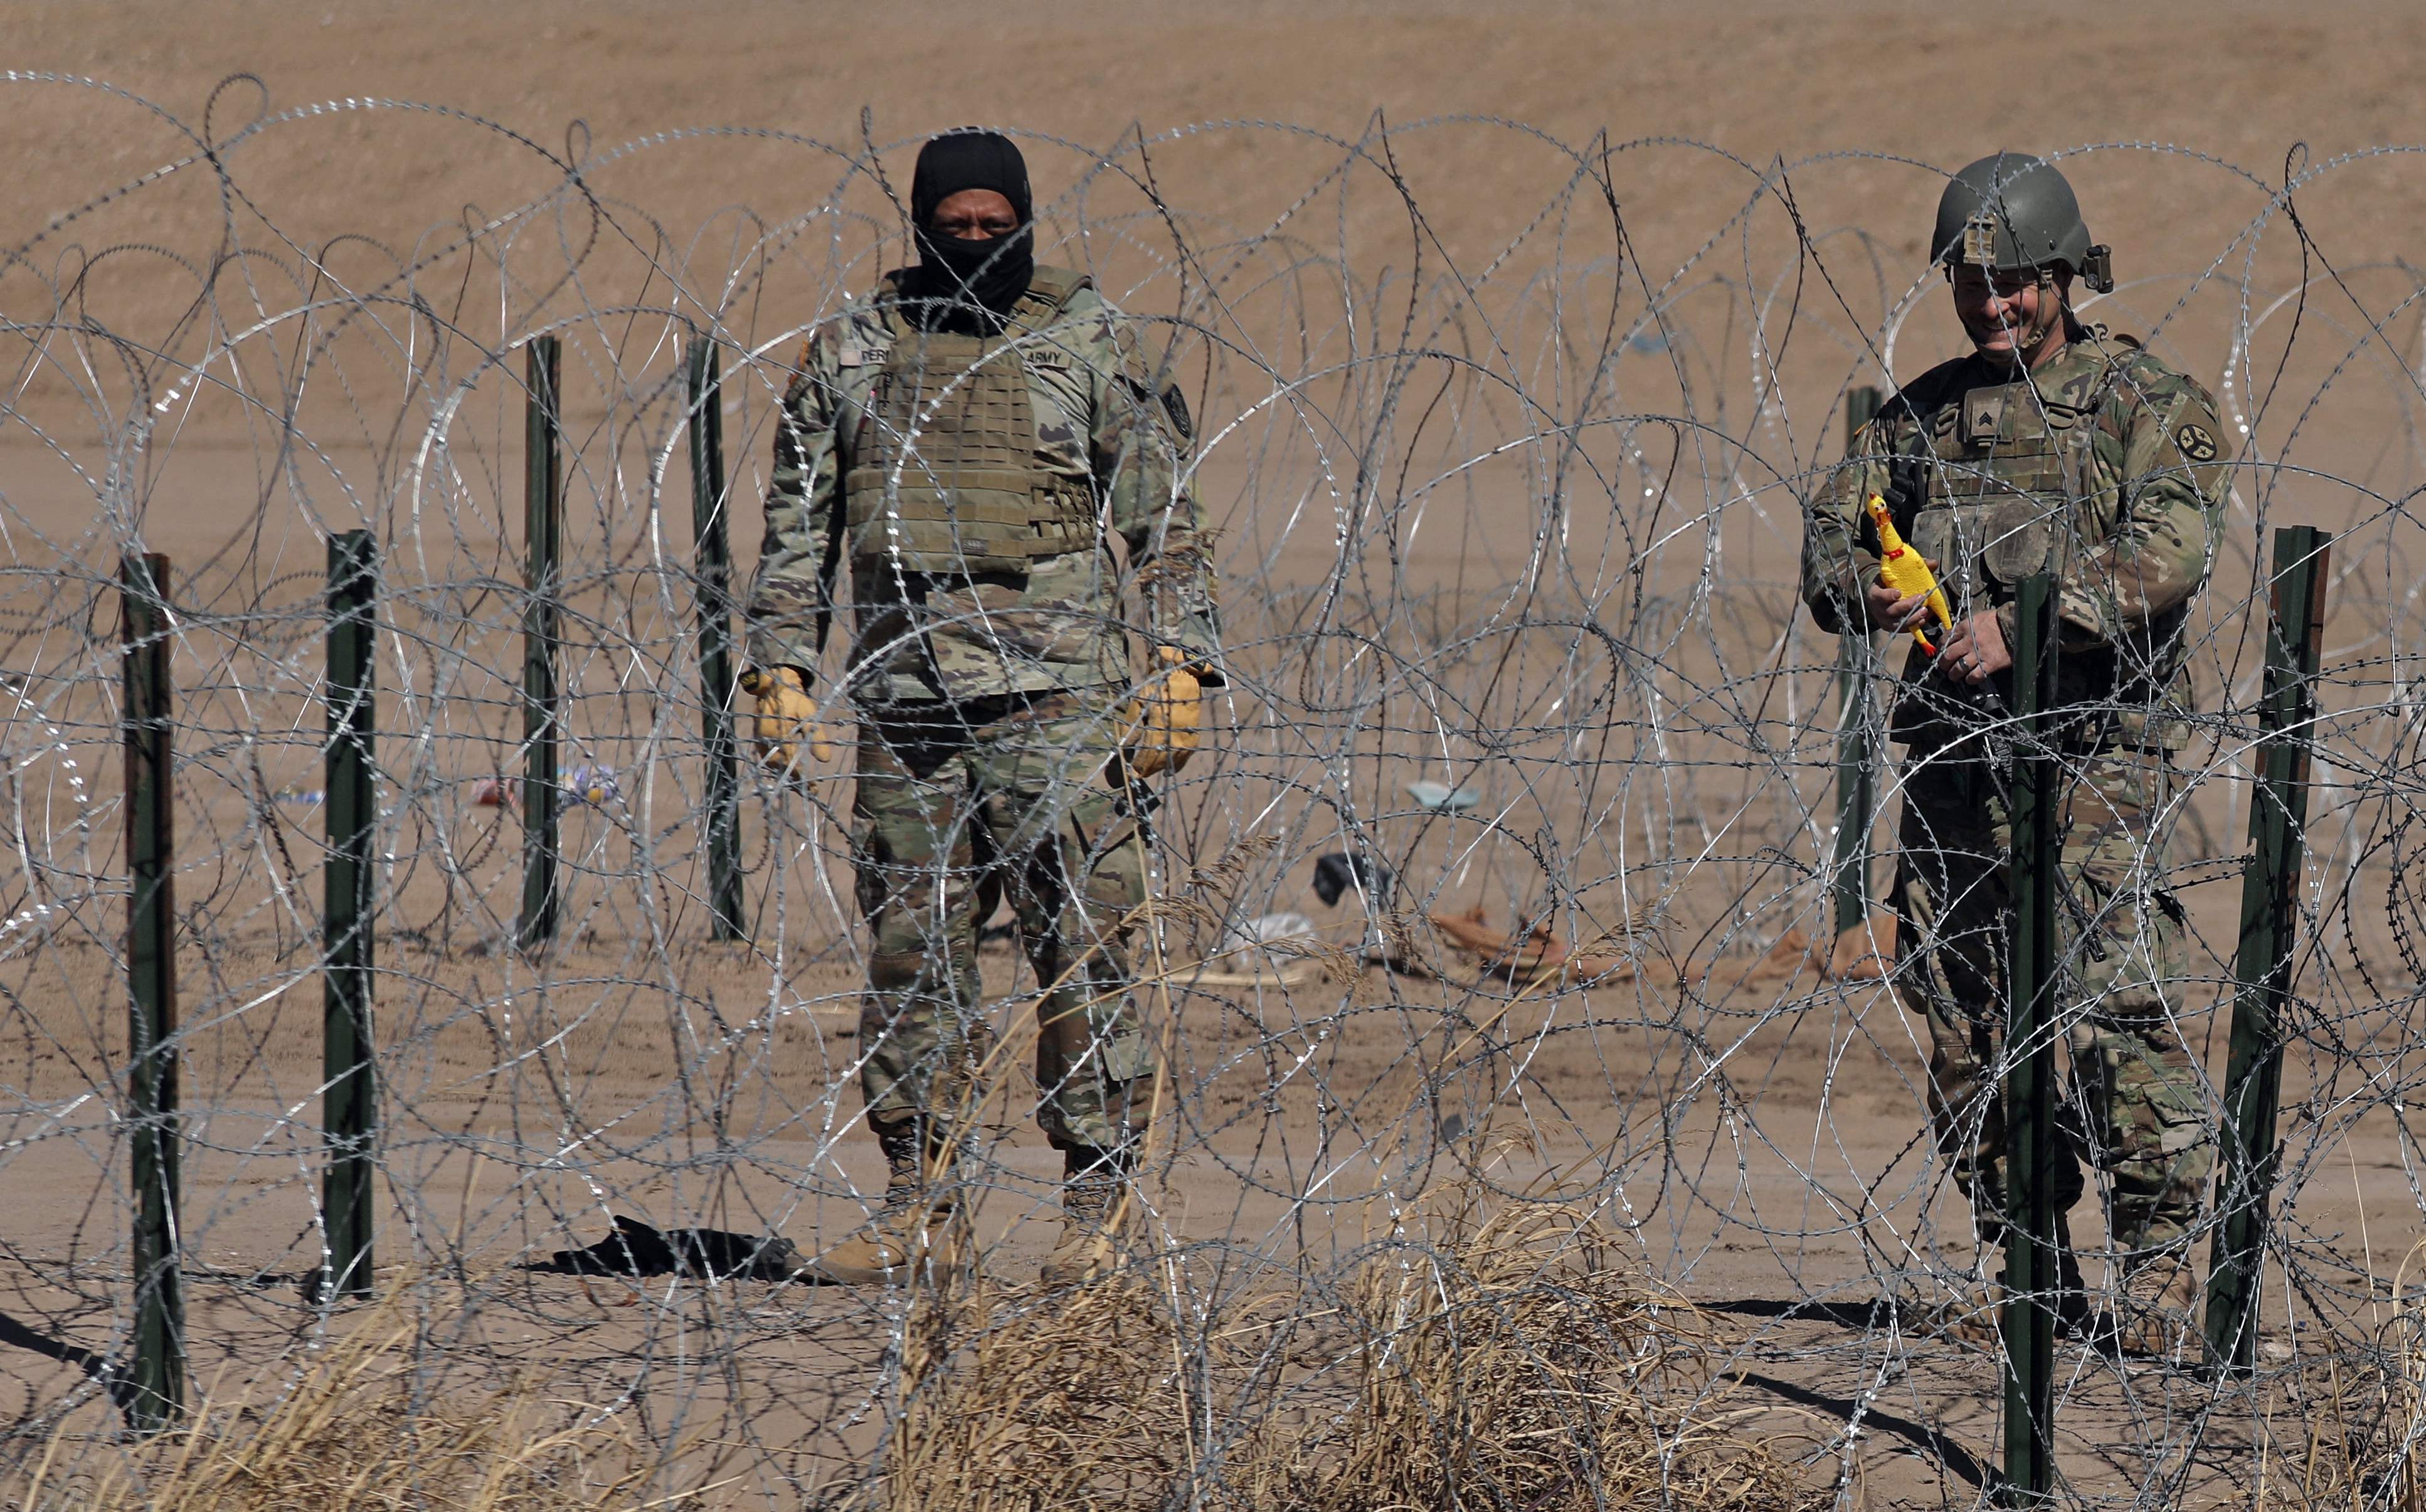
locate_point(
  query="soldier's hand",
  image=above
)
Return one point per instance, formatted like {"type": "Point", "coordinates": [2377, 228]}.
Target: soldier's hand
{"type": "Point", "coordinates": [1164, 720]}
{"type": "Point", "coordinates": [786, 720]}
{"type": "Point", "coordinates": [1893, 611]}
{"type": "Point", "coordinates": [1977, 650]}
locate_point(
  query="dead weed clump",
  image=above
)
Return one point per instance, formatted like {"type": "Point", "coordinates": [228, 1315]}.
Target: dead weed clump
{"type": "Point", "coordinates": [353, 1431]}
{"type": "Point", "coordinates": [1477, 1354]}
{"type": "Point", "coordinates": [1013, 1401]}
{"type": "Point", "coordinates": [2346, 1426]}
{"type": "Point", "coordinates": [1514, 1359]}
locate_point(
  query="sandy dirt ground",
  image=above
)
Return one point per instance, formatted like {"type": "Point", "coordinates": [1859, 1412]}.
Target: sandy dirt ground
{"type": "Point", "coordinates": [1752, 1130]}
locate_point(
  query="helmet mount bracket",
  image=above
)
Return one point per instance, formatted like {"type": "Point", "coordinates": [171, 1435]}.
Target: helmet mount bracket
{"type": "Point", "coordinates": [1980, 241]}
{"type": "Point", "coordinates": [2097, 269]}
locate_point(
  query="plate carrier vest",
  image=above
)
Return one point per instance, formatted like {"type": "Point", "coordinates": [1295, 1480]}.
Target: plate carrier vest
{"type": "Point", "coordinates": [1999, 472]}
{"type": "Point", "coordinates": [943, 477]}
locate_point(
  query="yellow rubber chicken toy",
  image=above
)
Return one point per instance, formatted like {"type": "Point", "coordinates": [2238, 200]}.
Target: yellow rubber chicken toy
{"type": "Point", "coordinates": [1904, 569]}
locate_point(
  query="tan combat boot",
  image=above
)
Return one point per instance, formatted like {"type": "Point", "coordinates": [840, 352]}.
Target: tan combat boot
{"type": "Point", "coordinates": [1975, 1314]}
{"type": "Point", "coordinates": [1098, 1207]}
{"type": "Point", "coordinates": [916, 1230]}
{"type": "Point", "coordinates": [1972, 1315]}
{"type": "Point", "coordinates": [2158, 1315]}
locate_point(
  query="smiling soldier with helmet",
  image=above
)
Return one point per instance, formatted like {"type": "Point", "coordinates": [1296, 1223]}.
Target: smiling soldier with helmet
{"type": "Point", "coordinates": [2054, 446]}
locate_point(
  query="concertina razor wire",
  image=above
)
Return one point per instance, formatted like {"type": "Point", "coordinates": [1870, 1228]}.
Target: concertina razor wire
{"type": "Point", "coordinates": [1567, 1092]}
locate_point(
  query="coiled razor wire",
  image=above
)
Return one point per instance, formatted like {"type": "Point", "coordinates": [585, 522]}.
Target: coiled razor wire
{"type": "Point", "coordinates": [1509, 522]}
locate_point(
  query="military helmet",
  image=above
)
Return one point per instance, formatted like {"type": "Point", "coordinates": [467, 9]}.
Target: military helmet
{"type": "Point", "coordinates": [2008, 211]}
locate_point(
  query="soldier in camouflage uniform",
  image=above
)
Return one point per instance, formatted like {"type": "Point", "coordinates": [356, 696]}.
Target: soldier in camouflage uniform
{"type": "Point", "coordinates": [965, 444]}
{"type": "Point", "coordinates": [2054, 447]}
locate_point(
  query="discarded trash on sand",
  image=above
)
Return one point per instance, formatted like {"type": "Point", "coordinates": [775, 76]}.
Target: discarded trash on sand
{"type": "Point", "coordinates": [1529, 949]}
{"type": "Point", "coordinates": [1335, 874]}
{"type": "Point", "coordinates": [1442, 798]}
{"type": "Point", "coordinates": [636, 1249]}
{"type": "Point", "coordinates": [1245, 957]}
{"type": "Point", "coordinates": [1266, 929]}
{"type": "Point", "coordinates": [593, 785]}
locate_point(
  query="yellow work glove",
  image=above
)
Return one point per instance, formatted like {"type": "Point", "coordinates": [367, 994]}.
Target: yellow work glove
{"type": "Point", "coordinates": [787, 717]}
{"type": "Point", "coordinates": [1162, 721]}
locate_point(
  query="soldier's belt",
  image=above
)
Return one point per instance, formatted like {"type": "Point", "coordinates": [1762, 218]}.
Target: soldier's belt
{"type": "Point", "coordinates": [928, 719]}
{"type": "Point", "coordinates": [2077, 737]}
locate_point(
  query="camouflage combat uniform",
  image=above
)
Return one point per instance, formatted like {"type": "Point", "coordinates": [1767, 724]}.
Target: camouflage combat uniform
{"type": "Point", "coordinates": [971, 488]}
{"type": "Point", "coordinates": [2106, 467]}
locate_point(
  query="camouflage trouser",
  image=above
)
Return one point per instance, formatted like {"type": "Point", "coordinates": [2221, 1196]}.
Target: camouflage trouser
{"type": "Point", "coordinates": [2134, 1105]}
{"type": "Point", "coordinates": [955, 807]}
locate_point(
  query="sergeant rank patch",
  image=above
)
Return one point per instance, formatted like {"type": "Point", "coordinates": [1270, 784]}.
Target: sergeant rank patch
{"type": "Point", "coordinates": [2197, 442]}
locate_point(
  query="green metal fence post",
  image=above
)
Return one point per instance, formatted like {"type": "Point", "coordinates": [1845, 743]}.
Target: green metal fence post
{"type": "Point", "coordinates": [349, 1110]}
{"type": "Point", "coordinates": [2270, 894]}
{"type": "Point", "coordinates": [1849, 871]}
{"type": "Point", "coordinates": [542, 530]}
{"type": "Point", "coordinates": [713, 558]}
{"type": "Point", "coordinates": [2030, 1032]}
{"type": "Point", "coordinates": [158, 1395]}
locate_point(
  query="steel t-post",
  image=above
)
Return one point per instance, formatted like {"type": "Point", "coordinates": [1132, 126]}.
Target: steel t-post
{"type": "Point", "coordinates": [2030, 1034]}
{"type": "Point", "coordinates": [1849, 870]}
{"type": "Point", "coordinates": [349, 1109]}
{"type": "Point", "coordinates": [713, 559]}
{"type": "Point", "coordinates": [2270, 894]}
{"type": "Point", "coordinates": [158, 1394]}
{"type": "Point", "coordinates": [542, 531]}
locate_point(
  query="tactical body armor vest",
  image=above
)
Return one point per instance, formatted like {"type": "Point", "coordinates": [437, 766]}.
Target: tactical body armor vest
{"type": "Point", "coordinates": [2005, 465]}
{"type": "Point", "coordinates": [943, 477]}
{"type": "Point", "coordinates": [1996, 482]}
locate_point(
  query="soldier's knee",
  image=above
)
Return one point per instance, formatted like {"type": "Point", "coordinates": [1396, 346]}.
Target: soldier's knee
{"type": "Point", "coordinates": [2159, 1168]}
{"type": "Point", "coordinates": [1101, 910]}
{"type": "Point", "coordinates": [899, 970]}
{"type": "Point", "coordinates": [2160, 1219]}
{"type": "Point", "coordinates": [1128, 1060]}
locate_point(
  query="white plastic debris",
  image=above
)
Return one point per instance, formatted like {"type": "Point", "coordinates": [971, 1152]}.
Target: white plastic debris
{"type": "Point", "coordinates": [1441, 797]}
{"type": "Point", "coordinates": [1267, 929]}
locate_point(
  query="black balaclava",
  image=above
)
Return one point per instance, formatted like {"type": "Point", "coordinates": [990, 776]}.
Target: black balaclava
{"type": "Point", "coordinates": [968, 287]}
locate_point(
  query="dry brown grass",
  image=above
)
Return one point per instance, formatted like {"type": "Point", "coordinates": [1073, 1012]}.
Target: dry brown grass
{"type": "Point", "coordinates": [2351, 1431]}
{"type": "Point", "coordinates": [1498, 1354]}
{"type": "Point", "coordinates": [1515, 1358]}
{"type": "Point", "coordinates": [362, 1427]}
